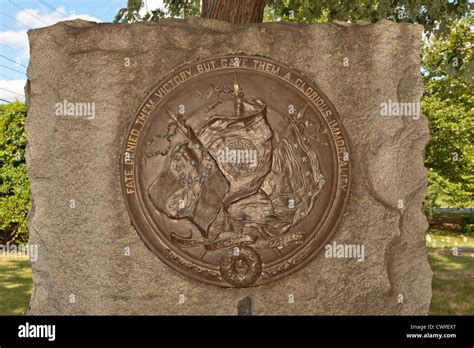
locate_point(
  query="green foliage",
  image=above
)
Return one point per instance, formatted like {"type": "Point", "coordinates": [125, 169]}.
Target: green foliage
{"type": "Point", "coordinates": [183, 8]}
{"type": "Point", "coordinates": [174, 8]}
{"type": "Point", "coordinates": [468, 229]}
{"type": "Point", "coordinates": [430, 204]}
{"type": "Point", "coordinates": [14, 185]}
{"type": "Point", "coordinates": [467, 224]}
{"type": "Point", "coordinates": [449, 104]}
{"type": "Point", "coordinates": [434, 15]}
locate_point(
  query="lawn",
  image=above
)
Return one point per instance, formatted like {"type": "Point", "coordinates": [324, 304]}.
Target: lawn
{"type": "Point", "coordinates": [453, 276]}
{"type": "Point", "coordinates": [15, 285]}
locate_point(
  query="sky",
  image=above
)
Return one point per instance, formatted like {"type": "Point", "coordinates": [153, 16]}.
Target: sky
{"type": "Point", "coordinates": [18, 16]}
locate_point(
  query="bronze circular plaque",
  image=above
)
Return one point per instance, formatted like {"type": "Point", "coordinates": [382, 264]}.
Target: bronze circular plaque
{"type": "Point", "coordinates": [235, 170]}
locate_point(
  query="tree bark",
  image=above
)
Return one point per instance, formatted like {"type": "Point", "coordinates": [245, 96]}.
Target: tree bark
{"type": "Point", "coordinates": [234, 11]}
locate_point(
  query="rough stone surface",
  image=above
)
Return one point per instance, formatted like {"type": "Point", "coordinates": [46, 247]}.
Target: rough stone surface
{"type": "Point", "coordinates": [81, 249]}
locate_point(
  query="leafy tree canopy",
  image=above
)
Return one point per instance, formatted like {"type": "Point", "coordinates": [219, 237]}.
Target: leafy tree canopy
{"type": "Point", "coordinates": [14, 185]}
{"type": "Point", "coordinates": [434, 15]}
{"type": "Point", "coordinates": [449, 104]}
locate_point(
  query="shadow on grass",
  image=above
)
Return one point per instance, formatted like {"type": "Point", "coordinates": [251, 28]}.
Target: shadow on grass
{"type": "Point", "coordinates": [443, 260]}
{"type": "Point", "coordinates": [453, 282]}
{"type": "Point", "coordinates": [16, 285]}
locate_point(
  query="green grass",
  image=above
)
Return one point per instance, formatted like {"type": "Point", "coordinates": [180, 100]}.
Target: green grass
{"type": "Point", "coordinates": [453, 276]}
{"type": "Point", "coordinates": [453, 283]}
{"type": "Point", "coordinates": [443, 201]}
{"type": "Point", "coordinates": [443, 261]}
{"type": "Point", "coordinates": [445, 238]}
{"type": "Point", "coordinates": [16, 285]}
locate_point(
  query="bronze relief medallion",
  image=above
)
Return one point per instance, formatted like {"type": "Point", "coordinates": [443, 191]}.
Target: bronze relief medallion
{"type": "Point", "coordinates": [235, 170]}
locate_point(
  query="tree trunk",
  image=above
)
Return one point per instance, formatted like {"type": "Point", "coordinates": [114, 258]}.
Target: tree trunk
{"type": "Point", "coordinates": [234, 11]}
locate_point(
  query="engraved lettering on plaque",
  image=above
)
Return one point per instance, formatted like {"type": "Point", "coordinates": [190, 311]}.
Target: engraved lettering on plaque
{"type": "Point", "coordinates": [235, 170]}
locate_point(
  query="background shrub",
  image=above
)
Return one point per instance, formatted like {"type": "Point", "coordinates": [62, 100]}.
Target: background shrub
{"type": "Point", "coordinates": [14, 185]}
